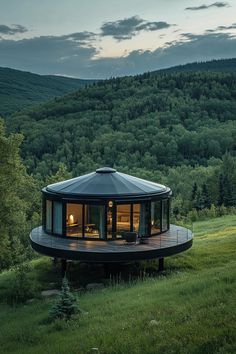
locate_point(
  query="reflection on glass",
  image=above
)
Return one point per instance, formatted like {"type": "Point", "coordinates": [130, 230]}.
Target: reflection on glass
{"type": "Point", "coordinates": [155, 217]}
{"type": "Point", "coordinates": [109, 221]}
{"type": "Point", "coordinates": [48, 215]}
{"type": "Point", "coordinates": [136, 217]}
{"type": "Point", "coordinates": [74, 219]}
{"type": "Point", "coordinates": [57, 217]}
{"type": "Point", "coordinates": [123, 218]}
{"type": "Point", "coordinates": [144, 219]}
{"type": "Point", "coordinates": [94, 221]}
{"type": "Point", "coordinates": [164, 215]}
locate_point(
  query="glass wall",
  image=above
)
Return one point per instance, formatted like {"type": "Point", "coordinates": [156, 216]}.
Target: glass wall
{"type": "Point", "coordinates": [110, 220]}
{"type": "Point", "coordinates": [106, 222]}
{"type": "Point", "coordinates": [57, 218]}
{"type": "Point", "coordinates": [94, 221]}
{"type": "Point", "coordinates": [136, 217]}
{"type": "Point", "coordinates": [74, 219]}
{"type": "Point", "coordinates": [49, 215]}
{"type": "Point", "coordinates": [155, 217]}
{"type": "Point", "coordinates": [123, 218]}
{"type": "Point", "coordinates": [164, 215]}
{"type": "Point", "coordinates": [144, 219]}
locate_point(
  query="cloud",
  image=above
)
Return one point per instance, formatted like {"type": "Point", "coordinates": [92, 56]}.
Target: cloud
{"type": "Point", "coordinates": [196, 48]}
{"type": "Point", "coordinates": [153, 26]}
{"type": "Point", "coordinates": [14, 29]}
{"type": "Point", "coordinates": [47, 55]}
{"type": "Point", "coordinates": [129, 27]}
{"type": "Point", "coordinates": [69, 56]}
{"type": "Point", "coordinates": [81, 37]}
{"type": "Point", "coordinates": [218, 4]}
{"type": "Point", "coordinates": [221, 28]}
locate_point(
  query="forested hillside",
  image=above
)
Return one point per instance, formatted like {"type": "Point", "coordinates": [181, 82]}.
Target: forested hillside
{"type": "Point", "coordinates": [19, 89]}
{"type": "Point", "coordinates": [220, 65]}
{"type": "Point", "coordinates": [175, 128]}
{"type": "Point", "coordinates": [178, 129]}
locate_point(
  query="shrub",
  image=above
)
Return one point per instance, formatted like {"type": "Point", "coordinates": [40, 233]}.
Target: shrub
{"type": "Point", "coordinates": [22, 288]}
{"type": "Point", "coordinates": [66, 304]}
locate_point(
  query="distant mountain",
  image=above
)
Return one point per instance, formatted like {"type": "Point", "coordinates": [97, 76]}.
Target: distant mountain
{"type": "Point", "coordinates": [19, 89]}
{"type": "Point", "coordinates": [220, 65]}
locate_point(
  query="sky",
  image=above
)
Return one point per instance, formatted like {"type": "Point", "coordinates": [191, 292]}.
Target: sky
{"type": "Point", "coordinates": [107, 38]}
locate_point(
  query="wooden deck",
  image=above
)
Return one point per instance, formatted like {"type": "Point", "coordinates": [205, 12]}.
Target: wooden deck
{"type": "Point", "coordinates": [177, 239]}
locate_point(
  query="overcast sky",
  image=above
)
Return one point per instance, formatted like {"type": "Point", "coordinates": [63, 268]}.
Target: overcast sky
{"type": "Point", "coordinates": [104, 38]}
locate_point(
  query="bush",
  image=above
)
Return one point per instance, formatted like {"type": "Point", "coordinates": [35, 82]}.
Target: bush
{"type": "Point", "coordinates": [22, 288]}
{"type": "Point", "coordinates": [66, 304]}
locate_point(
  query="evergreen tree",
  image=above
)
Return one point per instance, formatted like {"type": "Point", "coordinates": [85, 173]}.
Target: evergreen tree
{"type": "Point", "coordinates": [14, 197]}
{"type": "Point", "coordinates": [194, 191]}
{"type": "Point", "coordinates": [221, 190]}
{"type": "Point", "coordinates": [205, 197]}
{"type": "Point", "coordinates": [227, 182]}
{"type": "Point", "coordinates": [61, 175]}
{"type": "Point", "coordinates": [66, 304]}
{"type": "Point", "coordinates": [199, 201]}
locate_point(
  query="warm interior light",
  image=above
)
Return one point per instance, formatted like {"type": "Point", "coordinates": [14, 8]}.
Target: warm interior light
{"type": "Point", "coordinates": [152, 222]}
{"type": "Point", "coordinates": [71, 219]}
{"type": "Point", "coordinates": [110, 204]}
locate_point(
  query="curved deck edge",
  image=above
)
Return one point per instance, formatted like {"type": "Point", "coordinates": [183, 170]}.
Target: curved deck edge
{"type": "Point", "coordinates": [111, 257]}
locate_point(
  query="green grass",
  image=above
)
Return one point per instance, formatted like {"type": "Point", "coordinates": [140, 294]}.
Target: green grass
{"type": "Point", "coordinates": [194, 304]}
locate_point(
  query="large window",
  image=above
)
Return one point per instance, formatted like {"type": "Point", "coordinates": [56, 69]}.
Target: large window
{"type": "Point", "coordinates": [57, 218]}
{"type": "Point", "coordinates": [164, 215]}
{"type": "Point", "coordinates": [123, 218]}
{"type": "Point", "coordinates": [74, 220]}
{"type": "Point", "coordinates": [136, 217]}
{"type": "Point", "coordinates": [94, 221]}
{"type": "Point", "coordinates": [144, 219]}
{"type": "Point", "coordinates": [49, 215]}
{"type": "Point", "coordinates": [155, 217]}
{"type": "Point", "coordinates": [110, 219]}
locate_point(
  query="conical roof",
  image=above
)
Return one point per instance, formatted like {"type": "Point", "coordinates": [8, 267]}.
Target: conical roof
{"type": "Point", "coordinates": [107, 182]}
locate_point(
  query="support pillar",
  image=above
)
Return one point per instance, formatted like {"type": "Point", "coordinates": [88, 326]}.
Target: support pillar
{"type": "Point", "coordinates": [106, 270]}
{"type": "Point", "coordinates": [63, 267]}
{"type": "Point", "coordinates": [161, 265]}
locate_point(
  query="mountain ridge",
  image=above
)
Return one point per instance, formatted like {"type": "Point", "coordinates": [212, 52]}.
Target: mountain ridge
{"type": "Point", "coordinates": [20, 89]}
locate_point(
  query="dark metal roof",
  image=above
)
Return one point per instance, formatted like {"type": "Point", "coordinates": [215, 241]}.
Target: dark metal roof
{"type": "Point", "coordinates": [107, 182]}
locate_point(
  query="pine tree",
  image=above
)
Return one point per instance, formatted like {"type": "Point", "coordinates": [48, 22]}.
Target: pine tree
{"type": "Point", "coordinates": [221, 190]}
{"type": "Point", "coordinates": [194, 191]}
{"type": "Point", "coordinates": [61, 175]}
{"type": "Point", "coordinates": [198, 202]}
{"type": "Point", "coordinates": [66, 304]}
{"type": "Point", "coordinates": [227, 182]}
{"type": "Point", "coordinates": [205, 197]}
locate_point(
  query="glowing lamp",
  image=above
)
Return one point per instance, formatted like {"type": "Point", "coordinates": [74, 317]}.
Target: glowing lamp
{"type": "Point", "coordinates": [110, 204]}
{"type": "Point", "coordinates": [71, 219]}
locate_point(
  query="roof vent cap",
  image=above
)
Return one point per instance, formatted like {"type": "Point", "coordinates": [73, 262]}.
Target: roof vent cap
{"type": "Point", "coordinates": [105, 170]}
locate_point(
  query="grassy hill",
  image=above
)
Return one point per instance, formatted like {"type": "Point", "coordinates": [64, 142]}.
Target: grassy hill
{"type": "Point", "coordinates": [193, 304]}
{"type": "Point", "coordinates": [19, 89]}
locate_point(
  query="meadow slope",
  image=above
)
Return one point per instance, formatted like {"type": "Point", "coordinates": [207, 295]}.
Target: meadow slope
{"type": "Point", "coordinates": [193, 304]}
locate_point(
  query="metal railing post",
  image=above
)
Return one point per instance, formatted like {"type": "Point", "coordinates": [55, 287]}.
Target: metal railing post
{"type": "Point", "coordinates": [177, 236]}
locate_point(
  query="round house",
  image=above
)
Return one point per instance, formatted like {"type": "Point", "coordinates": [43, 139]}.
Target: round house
{"type": "Point", "coordinates": [105, 204]}
{"type": "Point", "coordinates": [93, 217]}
